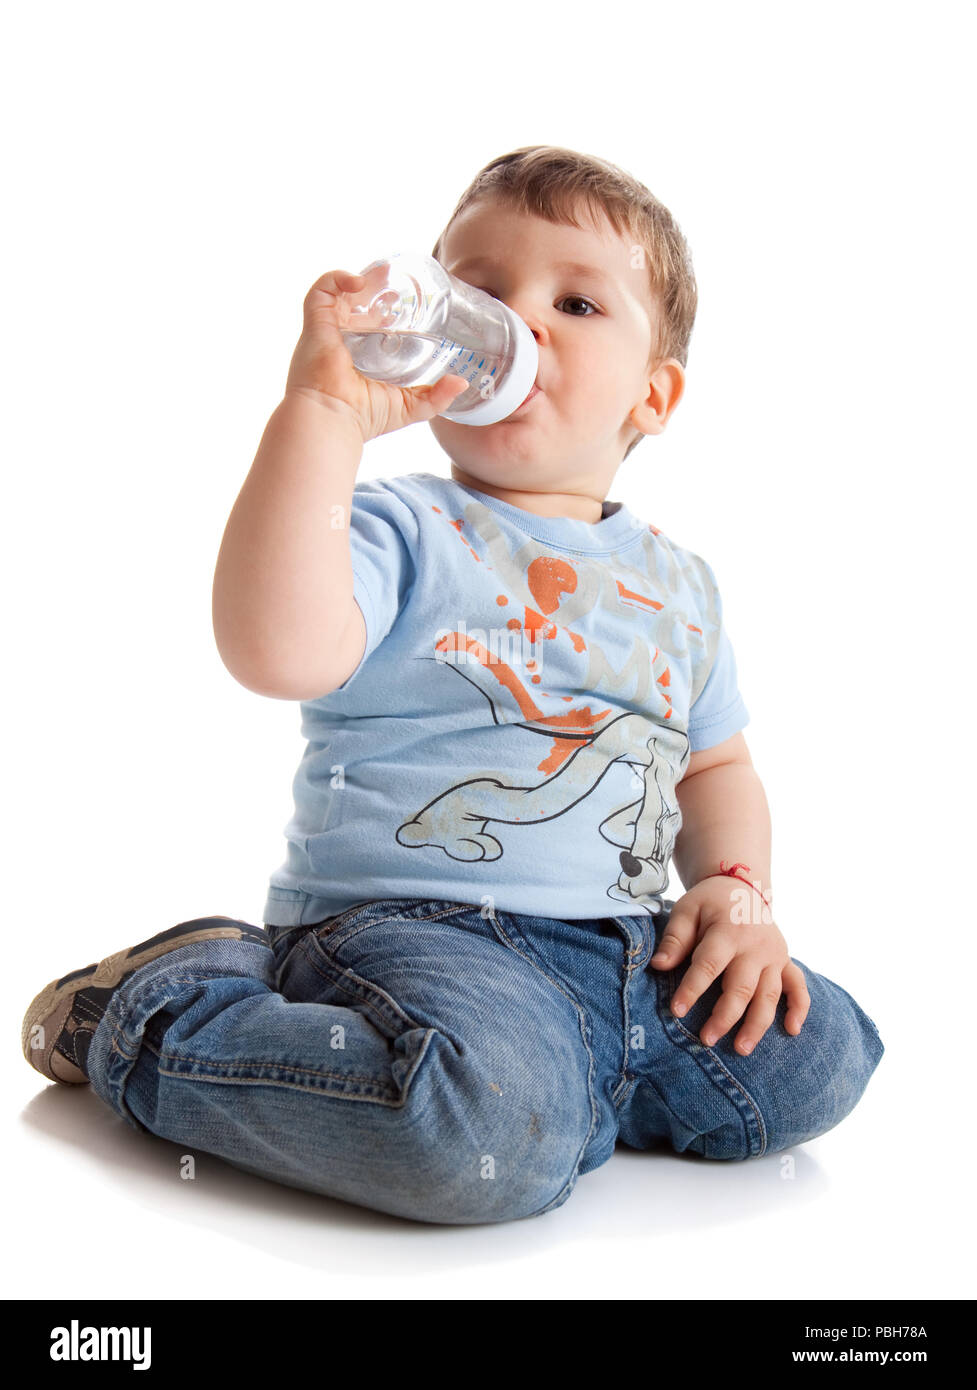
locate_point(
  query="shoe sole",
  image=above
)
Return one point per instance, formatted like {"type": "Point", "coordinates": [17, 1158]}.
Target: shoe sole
{"type": "Point", "coordinates": [106, 975]}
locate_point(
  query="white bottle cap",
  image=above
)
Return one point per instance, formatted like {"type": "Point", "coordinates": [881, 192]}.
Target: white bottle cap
{"type": "Point", "coordinates": [514, 389]}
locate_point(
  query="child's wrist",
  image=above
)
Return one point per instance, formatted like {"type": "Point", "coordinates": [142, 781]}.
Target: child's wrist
{"type": "Point", "coordinates": [742, 872]}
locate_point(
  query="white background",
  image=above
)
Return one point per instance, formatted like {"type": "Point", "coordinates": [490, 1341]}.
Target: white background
{"type": "Point", "coordinates": [175, 179]}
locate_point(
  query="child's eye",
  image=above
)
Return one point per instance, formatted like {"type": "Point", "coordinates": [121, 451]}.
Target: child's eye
{"type": "Point", "coordinates": [579, 300]}
{"type": "Point", "coordinates": [575, 297]}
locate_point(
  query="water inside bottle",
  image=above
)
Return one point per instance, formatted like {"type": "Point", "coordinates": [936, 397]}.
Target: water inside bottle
{"type": "Point", "coordinates": [415, 359]}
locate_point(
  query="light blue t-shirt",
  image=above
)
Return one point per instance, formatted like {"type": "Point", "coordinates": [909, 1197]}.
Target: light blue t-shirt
{"type": "Point", "coordinates": [531, 691]}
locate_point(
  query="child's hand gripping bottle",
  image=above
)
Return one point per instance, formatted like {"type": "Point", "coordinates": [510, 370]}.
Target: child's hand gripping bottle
{"type": "Point", "coordinates": [422, 324]}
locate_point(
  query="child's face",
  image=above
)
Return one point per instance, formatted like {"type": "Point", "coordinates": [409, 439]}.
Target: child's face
{"type": "Point", "coordinates": [595, 341]}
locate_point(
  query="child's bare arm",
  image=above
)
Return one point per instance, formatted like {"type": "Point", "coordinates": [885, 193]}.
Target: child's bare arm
{"type": "Point", "coordinates": [284, 615]}
{"type": "Point", "coordinates": [726, 820]}
{"type": "Point", "coordinates": [724, 816]}
{"type": "Point", "coordinates": [285, 619]}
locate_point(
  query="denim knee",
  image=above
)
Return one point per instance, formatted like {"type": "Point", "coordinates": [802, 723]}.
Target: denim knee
{"type": "Point", "coordinates": [832, 1071]}
{"type": "Point", "coordinates": [480, 1163]}
{"type": "Point", "coordinates": [792, 1087]}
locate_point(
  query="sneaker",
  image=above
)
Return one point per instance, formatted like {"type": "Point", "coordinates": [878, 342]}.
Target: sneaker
{"type": "Point", "coordinates": [59, 1025]}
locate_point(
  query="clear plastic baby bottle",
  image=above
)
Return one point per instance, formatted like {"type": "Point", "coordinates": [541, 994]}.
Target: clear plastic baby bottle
{"type": "Point", "coordinates": [415, 323]}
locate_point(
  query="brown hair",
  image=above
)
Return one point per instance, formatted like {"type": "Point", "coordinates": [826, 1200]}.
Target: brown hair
{"type": "Point", "coordinates": [548, 181]}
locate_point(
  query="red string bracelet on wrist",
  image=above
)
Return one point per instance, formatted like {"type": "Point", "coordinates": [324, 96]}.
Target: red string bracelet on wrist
{"type": "Point", "coordinates": [726, 872]}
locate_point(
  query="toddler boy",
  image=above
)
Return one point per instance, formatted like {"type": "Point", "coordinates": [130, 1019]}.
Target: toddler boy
{"type": "Point", "coordinates": [521, 704]}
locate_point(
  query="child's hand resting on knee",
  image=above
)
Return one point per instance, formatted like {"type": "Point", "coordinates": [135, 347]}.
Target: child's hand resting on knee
{"type": "Point", "coordinates": [752, 958]}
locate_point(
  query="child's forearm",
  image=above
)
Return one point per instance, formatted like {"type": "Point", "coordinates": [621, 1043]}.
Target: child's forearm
{"type": "Point", "coordinates": [725, 817]}
{"type": "Point", "coordinates": [283, 585]}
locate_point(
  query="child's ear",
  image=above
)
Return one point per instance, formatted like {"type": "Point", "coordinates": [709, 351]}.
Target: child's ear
{"type": "Point", "coordinates": [666, 387]}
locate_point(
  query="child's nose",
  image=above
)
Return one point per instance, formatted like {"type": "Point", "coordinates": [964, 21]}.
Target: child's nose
{"type": "Point", "coordinates": [530, 317]}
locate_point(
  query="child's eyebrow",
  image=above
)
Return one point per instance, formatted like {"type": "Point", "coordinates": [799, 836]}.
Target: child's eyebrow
{"type": "Point", "coordinates": [586, 272]}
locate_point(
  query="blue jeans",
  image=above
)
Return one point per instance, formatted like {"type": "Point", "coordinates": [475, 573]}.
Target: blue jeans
{"type": "Point", "coordinates": [425, 1060]}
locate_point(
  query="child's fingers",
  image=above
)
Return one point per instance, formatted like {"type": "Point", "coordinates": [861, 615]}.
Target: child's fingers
{"type": "Point", "coordinates": [709, 959]}
{"type": "Point", "coordinates": [327, 307]}
{"type": "Point", "coordinates": [448, 389]}
{"type": "Point", "coordinates": [325, 293]}
{"type": "Point", "coordinates": [427, 401]}
{"type": "Point", "coordinates": [740, 985]}
{"type": "Point", "coordinates": [762, 1011]}
{"type": "Point", "coordinates": [678, 938]}
{"type": "Point", "coordinates": [798, 998]}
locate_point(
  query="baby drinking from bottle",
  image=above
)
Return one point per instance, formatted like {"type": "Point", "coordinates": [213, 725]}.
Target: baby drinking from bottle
{"type": "Point", "coordinates": [521, 706]}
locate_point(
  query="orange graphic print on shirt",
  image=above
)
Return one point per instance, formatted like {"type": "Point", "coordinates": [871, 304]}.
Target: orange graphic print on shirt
{"type": "Point", "coordinates": [550, 598]}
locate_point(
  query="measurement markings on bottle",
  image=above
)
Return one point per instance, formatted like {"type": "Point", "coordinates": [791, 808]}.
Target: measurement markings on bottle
{"type": "Point", "coordinates": [450, 355]}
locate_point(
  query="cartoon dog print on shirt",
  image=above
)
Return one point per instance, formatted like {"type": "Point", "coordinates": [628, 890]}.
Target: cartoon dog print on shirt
{"type": "Point", "coordinates": [470, 819]}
